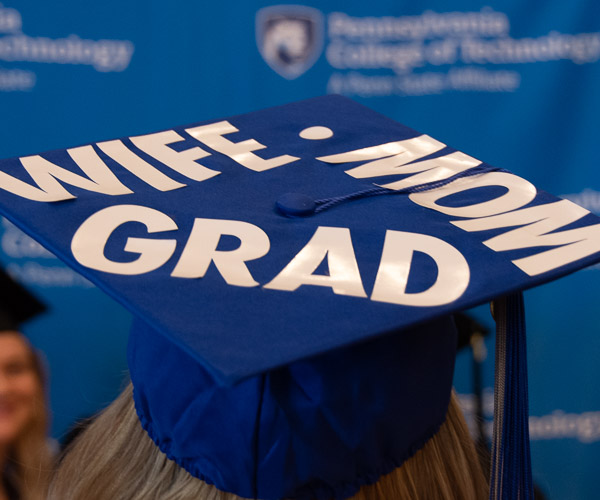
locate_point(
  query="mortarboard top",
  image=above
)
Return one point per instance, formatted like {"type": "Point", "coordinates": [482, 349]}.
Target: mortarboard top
{"type": "Point", "coordinates": [17, 304]}
{"type": "Point", "coordinates": [258, 254]}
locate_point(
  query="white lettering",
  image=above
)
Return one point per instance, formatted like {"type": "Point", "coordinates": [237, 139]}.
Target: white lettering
{"type": "Point", "coordinates": [539, 225]}
{"type": "Point", "coordinates": [433, 170]}
{"type": "Point", "coordinates": [201, 250]}
{"type": "Point", "coordinates": [333, 243]}
{"type": "Point", "coordinates": [184, 162]}
{"type": "Point", "coordinates": [401, 152]}
{"type": "Point", "coordinates": [520, 192]}
{"type": "Point", "coordinates": [88, 160]}
{"type": "Point", "coordinates": [46, 175]}
{"type": "Point", "coordinates": [241, 152]}
{"type": "Point", "coordinates": [394, 269]}
{"type": "Point", "coordinates": [90, 239]}
{"type": "Point", "coordinates": [55, 192]}
{"type": "Point", "coordinates": [140, 168]}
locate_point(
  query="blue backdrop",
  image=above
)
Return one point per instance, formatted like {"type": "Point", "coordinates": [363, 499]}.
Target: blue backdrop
{"type": "Point", "coordinates": [512, 83]}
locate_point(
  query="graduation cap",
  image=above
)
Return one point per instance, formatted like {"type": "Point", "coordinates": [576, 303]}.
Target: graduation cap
{"type": "Point", "coordinates": [17, 304]}
{"type": "Point", "coordinates": [292, 272]}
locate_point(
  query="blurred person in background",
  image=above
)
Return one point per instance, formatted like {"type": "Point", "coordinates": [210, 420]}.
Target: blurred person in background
{"type": "Point", "coordinates": [25, 457]}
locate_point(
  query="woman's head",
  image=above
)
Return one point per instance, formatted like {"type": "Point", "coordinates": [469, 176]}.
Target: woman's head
{"type": "Point", "coordinates": [22, 400]}
{"type": "Point", "coordinates": [129, 466]}
{"type": "Point", "coordinates": [319, 427]}
{"type": "Point", "coordinates": [26, 458]}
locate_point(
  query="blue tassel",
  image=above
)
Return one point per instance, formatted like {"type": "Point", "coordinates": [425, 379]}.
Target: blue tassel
{"type": "Point", "coordinates": [510, 477]}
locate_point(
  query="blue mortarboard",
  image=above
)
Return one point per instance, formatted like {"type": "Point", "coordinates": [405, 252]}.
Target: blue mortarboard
{"type": "Point", "coordinates": [291, 272]}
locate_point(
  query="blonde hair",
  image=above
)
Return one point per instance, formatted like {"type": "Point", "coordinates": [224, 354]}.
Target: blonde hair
{"type": "Point", "coordinates": [114, 458]}
{"type": "Point", "coordinates": [446, 468]}
{"type": "Point", "coordinates": [29, 457]}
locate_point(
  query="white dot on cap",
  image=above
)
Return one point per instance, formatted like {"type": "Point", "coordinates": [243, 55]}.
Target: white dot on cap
{"type": "Point", "coordinates": [316, 133]}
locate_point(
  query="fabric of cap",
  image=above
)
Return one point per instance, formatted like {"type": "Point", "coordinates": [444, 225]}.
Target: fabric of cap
{"type": "Point", "coordinates": [316, 429]}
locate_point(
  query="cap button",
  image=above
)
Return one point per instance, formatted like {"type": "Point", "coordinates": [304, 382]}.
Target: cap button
{"type": "Point", "coordinates": [296, 205]}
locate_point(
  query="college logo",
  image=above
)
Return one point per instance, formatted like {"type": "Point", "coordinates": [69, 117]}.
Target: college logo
{"type": "Point", "coordinates": [290, 38]}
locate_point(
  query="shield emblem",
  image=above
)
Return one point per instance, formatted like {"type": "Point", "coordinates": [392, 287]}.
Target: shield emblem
{"type": "Point", "coordinates": [289, 38]}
